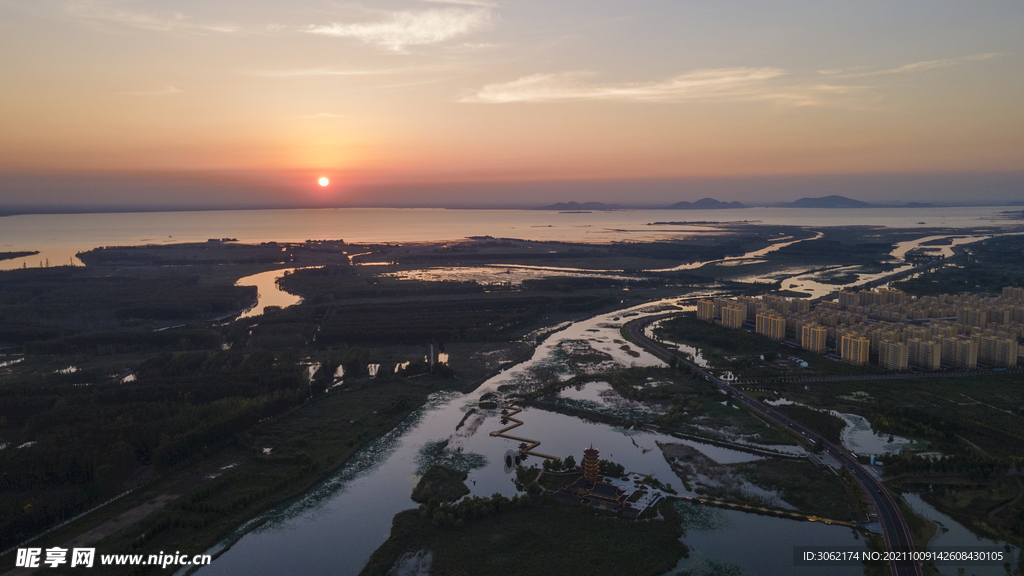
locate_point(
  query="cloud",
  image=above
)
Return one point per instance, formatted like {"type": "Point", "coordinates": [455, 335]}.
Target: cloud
{"type": "Point", "coordinates": [472, 46]}
{"type": "Point", "coordinates": [722, 84]}
{"type": "Point", "coordinates": [165, 91]}
{"type": "Point", "coordinates": [157, 21]}
{"type": "Point", "coordinates": [304, 72]}
{"type": "Point", "coordinates": [480, 3]}
{"type": "Point", "coordinates": [405, 28]}
{"type": "Point", "coordinates": [570, 86]}
{"type": "Point", "coordinates": [855, 71]}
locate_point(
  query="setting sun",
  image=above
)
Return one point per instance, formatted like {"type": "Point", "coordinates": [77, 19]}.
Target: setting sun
{"type": "Point", "coordinates": [324, 181]}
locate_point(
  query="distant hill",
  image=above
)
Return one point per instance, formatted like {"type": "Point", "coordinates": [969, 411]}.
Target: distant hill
{"type": "Point", "coordinates": [917, 205]}
{"type": "Point", "coordinates": [582, 206]}
{"type": "Point", "coordinates": [704, 204]}
{"type": "Point", "coordinates": [824, 202]}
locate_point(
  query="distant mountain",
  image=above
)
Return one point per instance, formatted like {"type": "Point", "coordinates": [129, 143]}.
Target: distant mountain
{"type": "Point", "coordinates": [704, 204]}
{"type": "Point", "coordinates": [916, 205]}
{"type": "Point", "coordinates": [582, 206]}
{"type": "Point", "coordinates": [824, 202]}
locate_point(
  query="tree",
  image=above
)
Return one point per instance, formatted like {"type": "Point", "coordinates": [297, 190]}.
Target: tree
{"type": "Point", "coordinates": [569, 463]}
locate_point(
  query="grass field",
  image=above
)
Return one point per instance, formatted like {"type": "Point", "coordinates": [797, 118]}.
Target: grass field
{"type": "Point", "coordinates": [537, 540]}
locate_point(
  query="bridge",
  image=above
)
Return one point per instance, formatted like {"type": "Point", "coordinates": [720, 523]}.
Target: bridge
{"type": "Point", "coordinates": [509, 410]}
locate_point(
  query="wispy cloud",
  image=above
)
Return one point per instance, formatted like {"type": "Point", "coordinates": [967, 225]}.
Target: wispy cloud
{"type": "Point", "coordinates": [165, 91]}
{"type": "Point", "coordinates": [480, 3]}
{"type": "Point", "coordinates": [157, 21]}
{"type": "Point", "coordinates": [306, 72]}
{"type": "Point", "coordinates": [858, 71]}
{"type": "Point", "coordinates": [572, 86]}
{"type": "Point", "coordinates": [403, 29]}
{"type": "Point", "coordinates": [472, 46]}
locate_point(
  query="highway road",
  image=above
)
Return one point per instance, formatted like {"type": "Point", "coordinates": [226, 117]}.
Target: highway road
{"type": "Point", "coordinates": [894, 527]}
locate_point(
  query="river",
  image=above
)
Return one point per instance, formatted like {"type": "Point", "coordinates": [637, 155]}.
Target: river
{"type": "Point", "coordinates": [336, 526]}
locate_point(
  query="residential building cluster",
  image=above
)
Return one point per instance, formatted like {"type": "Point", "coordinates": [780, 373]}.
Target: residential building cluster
{"type": "Point", "coordinates": [886, 327]}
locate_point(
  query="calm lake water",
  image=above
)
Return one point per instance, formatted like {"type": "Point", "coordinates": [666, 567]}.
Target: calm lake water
{"type": "Point", "coordinates": [60, 236]}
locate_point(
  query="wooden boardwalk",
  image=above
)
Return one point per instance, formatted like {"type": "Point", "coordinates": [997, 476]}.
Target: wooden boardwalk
{"type": "Point", "coordinates": [530, 444]}
{"type": "Point", "coordinates": [773, 511]}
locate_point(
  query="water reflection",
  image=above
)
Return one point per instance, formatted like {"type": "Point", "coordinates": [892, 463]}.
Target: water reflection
{"type": "Point", "coordinates": [860, 438]}
{"type": "Point", "coordinates": [810, 283]}
{"type": "Point", "coordinates": [269, 293]}
{"type": "Point", "coordinates": [952, 533]}
{"type": "Point", "coordinates": [729, 542]}
{"type": "Point", "coordinates": [734, 260]}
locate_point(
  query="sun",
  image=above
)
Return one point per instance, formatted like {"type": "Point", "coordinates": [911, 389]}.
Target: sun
{"type": "Point", "coordinates": [324, 181]}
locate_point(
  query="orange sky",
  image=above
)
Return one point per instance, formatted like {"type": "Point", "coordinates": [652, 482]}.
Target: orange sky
{"type": "Point", "coordinates": [400, 93]}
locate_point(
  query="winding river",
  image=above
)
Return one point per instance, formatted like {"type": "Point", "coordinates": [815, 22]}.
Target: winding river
{"type": "Point", "coordinates": [336, 526]}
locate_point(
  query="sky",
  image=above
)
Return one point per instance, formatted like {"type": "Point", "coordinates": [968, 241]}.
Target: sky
{"type": "Point", "coordinates": [139, 103]}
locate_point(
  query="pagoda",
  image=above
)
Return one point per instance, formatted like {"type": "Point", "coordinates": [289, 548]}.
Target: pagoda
{"type": "Point", "coordinates": [591, 469]}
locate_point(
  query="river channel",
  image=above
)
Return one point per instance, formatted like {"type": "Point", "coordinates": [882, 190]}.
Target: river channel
{"type": "Point", "coordinates": [335, 527]}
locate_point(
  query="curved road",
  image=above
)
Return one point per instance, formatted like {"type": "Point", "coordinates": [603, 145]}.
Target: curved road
{"type": "Point", "coordinates": [894, 527]}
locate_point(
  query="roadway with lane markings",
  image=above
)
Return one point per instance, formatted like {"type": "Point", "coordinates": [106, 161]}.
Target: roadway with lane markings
{"type": "Point", "coordinates": [894, 527]}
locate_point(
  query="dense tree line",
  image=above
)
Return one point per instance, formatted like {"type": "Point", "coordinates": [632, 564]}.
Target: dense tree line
{"type": "Point", "coordinates": [970, 464]}
{"type": "Point", "coordinates": [85, 442]}
{"type": "Point", "coordinates": [49, 303]}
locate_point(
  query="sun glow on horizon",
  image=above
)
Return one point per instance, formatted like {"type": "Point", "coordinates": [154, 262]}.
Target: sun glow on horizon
{"type": "Point", "coordinates": [324, 181]}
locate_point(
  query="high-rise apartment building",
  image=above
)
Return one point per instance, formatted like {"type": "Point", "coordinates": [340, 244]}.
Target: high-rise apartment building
{"type": "Point", "coordinates": [855, 349]}
{"type": "Point", "coordinates": [771, 324]}
{"type": "Point", "coordinates": [893, 355]}
{"type": "Point", "coordinates": [812, 337]}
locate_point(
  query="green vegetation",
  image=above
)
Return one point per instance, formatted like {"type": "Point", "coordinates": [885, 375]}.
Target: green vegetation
{"type": "Point", "coordinates": [811, 489]}
{"type": "Point", "coordinates": [821, 422]}
{"type": "Point", "coordinates": [62, 310]}
{"type": "Point", "coordinates": [684, 404]}
{"type": "Point", "coordinates": [982, 267]}
{"type": "Point", "coordinates": [555, 481]}
{"type": "Point", "coordinates": [993, 507]}
{"type": "Point", "coordinates": [437, 453]}
{"type": "Point", "coordinates": [609, 468]}
{"type": "Point", "coordinates": [444, 484]}
{"type": "Point", "coordinates": [263, 466]}
{"type": "Point", "coordinates": [974, 421]}
{"type": "Point", "coordinates": [922, 530]}
{"type": "Point", "coordinates": [90, 441]}
{"type": "Point", "coordinates": [963, 414]}
{"type": "Point", "coordinates": [535, 540]}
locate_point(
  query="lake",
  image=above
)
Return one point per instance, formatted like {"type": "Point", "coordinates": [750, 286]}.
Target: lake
{"type": "Point", "coordinates": [59, 237]}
